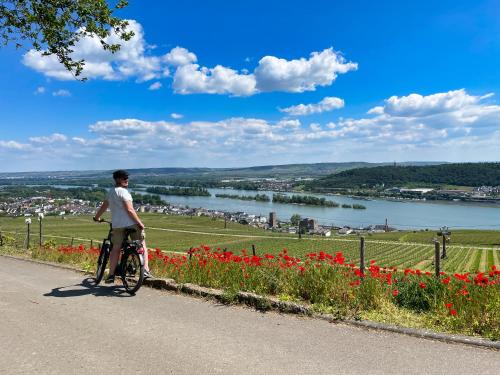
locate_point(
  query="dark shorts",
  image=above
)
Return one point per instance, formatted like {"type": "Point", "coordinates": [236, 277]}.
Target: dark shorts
{"type": "Point", "coordinates": [118, 234]}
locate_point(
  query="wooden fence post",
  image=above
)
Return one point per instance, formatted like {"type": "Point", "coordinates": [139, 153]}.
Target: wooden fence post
{"type": "Point", "coordinates": [437, 259]}
{"type": "Point", "coordinates": [72, 241]}
{"type": "Point", "coordinates": [28, 238]}
{"type": "Point", "coordinates": [253, 250]}
{"type": "Point", "coordinates": [362, 255]}
{"type": "Point", "coordinates": [40, 240]}
{"type": "Point", "coordinates": [190, 253]}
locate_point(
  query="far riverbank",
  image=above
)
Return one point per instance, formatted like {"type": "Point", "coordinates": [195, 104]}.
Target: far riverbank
{"type": "Point", "coordinates": [400, 214]}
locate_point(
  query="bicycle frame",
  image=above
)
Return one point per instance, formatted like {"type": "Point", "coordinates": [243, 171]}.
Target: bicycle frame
{"type": "Point", "coordinates": [128, 249]}
{"type": "Point", "coordinates": [127, 244]}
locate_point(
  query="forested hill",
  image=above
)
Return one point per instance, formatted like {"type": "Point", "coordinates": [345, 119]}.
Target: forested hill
{"type": "Point", "coordinates": [463, 174]}
{"type": "Point", "coordinates": [265, 171]}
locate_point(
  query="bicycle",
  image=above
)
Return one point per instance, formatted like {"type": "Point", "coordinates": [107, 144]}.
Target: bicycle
{"type": "Point", "coordinates": [131, 265]}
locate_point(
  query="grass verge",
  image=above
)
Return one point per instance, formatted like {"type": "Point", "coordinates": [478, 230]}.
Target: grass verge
{"type": "Point", "coordinates": [461, 303]}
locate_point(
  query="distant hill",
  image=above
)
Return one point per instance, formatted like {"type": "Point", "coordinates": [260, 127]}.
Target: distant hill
{"type": "Point", "coordinates": [265, 171]}
{"type": "Point", "coordinates": [462, 174]}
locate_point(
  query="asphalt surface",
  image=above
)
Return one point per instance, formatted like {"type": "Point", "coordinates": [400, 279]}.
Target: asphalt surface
{"type": "Point", "coordinates": [54, 321]}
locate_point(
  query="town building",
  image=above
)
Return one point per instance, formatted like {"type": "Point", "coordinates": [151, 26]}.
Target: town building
{"type": "Point", "coordinates": [273, 220]}
{"type": "Point", "coordinates": [307, 225]}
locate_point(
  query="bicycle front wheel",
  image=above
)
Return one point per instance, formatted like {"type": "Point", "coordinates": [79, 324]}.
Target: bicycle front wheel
{"type": "Point", "coordinates": [101, 262]}
{"type": "Point", "coordinates": [132, 272]}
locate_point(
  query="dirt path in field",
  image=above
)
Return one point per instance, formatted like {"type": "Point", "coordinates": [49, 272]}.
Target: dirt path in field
{"type": "Point", "coordinates": [483, 264]}
{"type": "Point", "coordinates": [423, 264]}
{"type": "Point", "coordinates": [496, 260]}
{"type": "Point", "coordinates": [472, 258]}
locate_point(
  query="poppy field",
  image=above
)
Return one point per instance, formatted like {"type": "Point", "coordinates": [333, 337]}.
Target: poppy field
{"type": "Point", "coordinates": [465, 303]}
{"type": "Point", "coordinates": [469, 251]}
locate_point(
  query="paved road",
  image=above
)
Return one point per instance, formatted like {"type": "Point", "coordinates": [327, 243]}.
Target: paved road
{"type": "Point", "coordinates": [52, 321]}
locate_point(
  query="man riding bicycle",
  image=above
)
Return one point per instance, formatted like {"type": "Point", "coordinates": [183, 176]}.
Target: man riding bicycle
{"type": "Point", "coordinates": [123, 218]}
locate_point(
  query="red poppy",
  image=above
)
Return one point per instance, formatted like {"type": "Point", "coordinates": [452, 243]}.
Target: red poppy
{"type": "Point", "coordinates": [464, 292]}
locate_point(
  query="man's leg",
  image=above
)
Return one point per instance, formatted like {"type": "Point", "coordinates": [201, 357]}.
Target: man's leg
{"type": "Point", "coordinates": [140, 235]}
{"type": "Point", "coordinates": [117, 240]}
{"type": "Point", "coordinates": [146, 260]}
{"type": "Point", "coordinates": [113, 258]}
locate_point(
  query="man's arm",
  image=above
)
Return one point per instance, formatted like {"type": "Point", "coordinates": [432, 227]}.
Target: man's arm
{"type": "Point", "coordinates": [132, 214]}
{"type": "Point", "coordinates": [101, 210]}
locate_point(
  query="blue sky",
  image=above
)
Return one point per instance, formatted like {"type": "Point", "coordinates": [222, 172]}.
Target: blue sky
{"type": "Point", "coordinates": [233, 83]}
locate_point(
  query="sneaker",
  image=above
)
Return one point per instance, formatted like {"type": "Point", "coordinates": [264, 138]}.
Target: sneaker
{"type": "Point", "coordinates": [110, 279]}
{"type": "Point", "coordinates": [147, 275]}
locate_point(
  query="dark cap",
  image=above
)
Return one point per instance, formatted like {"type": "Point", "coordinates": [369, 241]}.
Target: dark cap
{"type": "Point", "coordinates": [120, 173]}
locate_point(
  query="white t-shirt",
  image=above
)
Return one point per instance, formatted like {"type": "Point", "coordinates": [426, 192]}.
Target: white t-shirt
{"type": "Point", "coordinates": [119, 216]}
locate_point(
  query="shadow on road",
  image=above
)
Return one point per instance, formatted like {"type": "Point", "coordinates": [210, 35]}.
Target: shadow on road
{"type": "Point", "coordinates": [86, 287]}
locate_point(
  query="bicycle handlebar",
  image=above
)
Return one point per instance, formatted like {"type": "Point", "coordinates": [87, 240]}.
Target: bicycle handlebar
{"type": "Point", "coordinates": [101, 220]}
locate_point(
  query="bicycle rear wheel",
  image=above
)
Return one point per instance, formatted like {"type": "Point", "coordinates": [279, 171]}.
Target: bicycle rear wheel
{"type": "Point", "coordinates": [132, 272]}
{"type": "Point", "coordinates": [102, 262]}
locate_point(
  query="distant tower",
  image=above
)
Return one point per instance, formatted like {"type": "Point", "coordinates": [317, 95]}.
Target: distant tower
{"type": "Point", "coordinates": [273, 219]}
{"type": "Point", "coordinates": [386, 226]}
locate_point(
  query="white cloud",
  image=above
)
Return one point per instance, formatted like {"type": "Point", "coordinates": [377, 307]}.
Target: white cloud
{"type": "Point", "coordinates": [179, 56]}
{"type": "Point", "coordinates": [135, 60]}
{"type": "Point", "coordinates": [61, 92]}
{"type": "Point", "coordinates": [271, 74]}
{"type": "Point", "coordinates": [418, 105]}
{"type": "Point", "coordinates": [13, 145]}
{"type": "Point", "coordinates": [292, 124]}
{"type": "Point", "coordinates": [454, 135]}
{"type": "Point", "coordinates": [321, 69]}
{"type": "Point", "coordinates": [155, 86]}
{"type": "Point", "coordinates": [193, 79]}
{"type": "Point", "coordinates": [130, 61]}
{"type": "Point", "coordinates": [329, 103]}
{"type": "Point", "coordinates": [378, 110]}
{"type": "Point", "coordinates": [176, 116]}
{"type": "Point", "coordinates": [123, 127]}
{"type": "Point", "coordinates": [56, 137]}
{"type": "Point", "coordinates": [79, 140]}
{"type": "Point", "coordinates": [39, 90]}
{"type": "Point", "coordinates": [315, 127]}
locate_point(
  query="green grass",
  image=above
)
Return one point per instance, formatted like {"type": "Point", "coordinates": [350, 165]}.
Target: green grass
{"type": "Point", "coordinates": [327, 286]}
{"type": "Point", "coordinates": [486, 238]}
{"type": "Point", "coordinates": [388, 249]}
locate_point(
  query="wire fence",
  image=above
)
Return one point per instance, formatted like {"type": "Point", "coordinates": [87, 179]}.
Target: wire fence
{"type": "Point", "coordinates": [459, 258]}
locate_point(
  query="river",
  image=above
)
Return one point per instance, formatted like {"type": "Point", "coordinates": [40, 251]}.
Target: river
{"type": "Point", "coordinates": [400, 214]}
